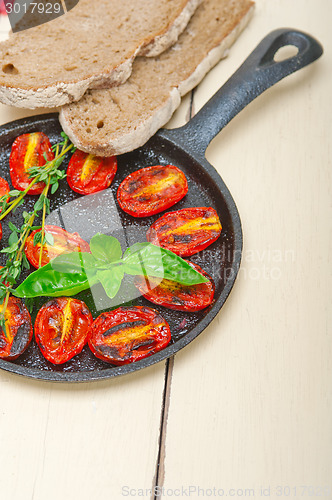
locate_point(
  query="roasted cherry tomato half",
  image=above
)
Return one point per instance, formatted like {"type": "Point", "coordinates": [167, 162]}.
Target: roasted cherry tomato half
{"type": "Point", "coordinates": [128, 334]}
{"type": "Point", "coordinates": [88, 174]}
{"type": "Point", "coordinates": [18, 329]}
{"type": "Point", "coordinates": [4, 187]}
{"type": "Point", "coordinates": [174, 295]}
{"type": "Point", "coordinates": [151, 190]}
{"type": "Point", "coordinates": [64, 242]}
{"type": "Point", "coordinates": [186, 231]}
{"type": "Point", "coordinates": [28, 151]}
{"type": "Point", "coordinates": [61, 328]}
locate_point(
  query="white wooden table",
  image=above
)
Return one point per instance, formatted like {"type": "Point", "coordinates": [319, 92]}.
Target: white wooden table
{"type": "Point", "coordinates": [246, 409]}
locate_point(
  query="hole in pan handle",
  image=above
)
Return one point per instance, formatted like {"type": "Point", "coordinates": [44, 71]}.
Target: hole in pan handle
{"type": "Point", "coordinates": [258, 72]}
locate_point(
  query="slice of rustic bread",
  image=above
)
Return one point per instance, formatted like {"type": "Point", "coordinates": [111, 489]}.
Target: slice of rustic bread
{"type": "Point", "coordinates": [92, 46]}
{"type": "Point", "coordinates": [120, 119]}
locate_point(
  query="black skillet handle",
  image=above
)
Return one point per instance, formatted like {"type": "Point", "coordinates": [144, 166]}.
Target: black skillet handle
{"type": "Point", "coordinates": [258, 72]}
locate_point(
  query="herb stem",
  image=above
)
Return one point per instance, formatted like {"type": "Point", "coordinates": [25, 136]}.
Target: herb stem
{"type": "Point", "coordinates": [49, 166]}
{"type": "Point", "coordinates": [45, 192]}
{"type": "Point", "coordinates": [14, 203]}
{"type": "Point", "coordinates": [24, 237]}
{"type": "Point", "coordinates": [50, 175]}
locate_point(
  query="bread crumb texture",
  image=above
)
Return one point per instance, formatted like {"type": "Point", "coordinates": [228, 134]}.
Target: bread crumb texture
{"type": "Point", "coordinates": [123, 118]}
{"type": "Point", "coordinates": [92, 46]}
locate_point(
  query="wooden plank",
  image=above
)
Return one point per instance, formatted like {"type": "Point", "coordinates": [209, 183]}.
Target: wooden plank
{"type": "Point", "coordinates": [251, 398]}
{"type": "Point", "coordinates": [79, 441]}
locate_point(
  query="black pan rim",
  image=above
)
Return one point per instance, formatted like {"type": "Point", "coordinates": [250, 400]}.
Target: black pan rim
{"type": "Point", "coordinates": [90, 376]}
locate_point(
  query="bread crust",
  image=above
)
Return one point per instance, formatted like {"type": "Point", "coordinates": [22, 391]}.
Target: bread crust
{"type": "Point", "coordinates": [140, 132]}
{"type": "Point", "coordinates": [66, 91]}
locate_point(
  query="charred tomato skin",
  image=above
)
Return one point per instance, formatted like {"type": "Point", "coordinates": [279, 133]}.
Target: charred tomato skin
{"type": "Point", "coordinates": [152, 190]}
{"type": "Point", "coordinates": [187, 231]}
{"type": "Point", "coordinates": [28, 151]}
{"type": "Point", "coordinates": [64, 242]}
{"type": "Point", "coordinates": [176, 296]}
{"type": "Point", "coordinates": [61, 328]}
{"type": "Point", "coordinates": [19, 327]}
{"type": "Point", "coordinates": [128, 334]}
{"type": "Point", "coordinates": [87, 174]}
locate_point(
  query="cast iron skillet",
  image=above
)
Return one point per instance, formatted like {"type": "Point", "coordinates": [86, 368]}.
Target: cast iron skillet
{"type": "Point", "coordinates": [184, 147]}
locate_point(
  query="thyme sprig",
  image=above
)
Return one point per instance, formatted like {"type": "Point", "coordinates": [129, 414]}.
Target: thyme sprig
{"type": "Point", "coordinates": [51, 174]}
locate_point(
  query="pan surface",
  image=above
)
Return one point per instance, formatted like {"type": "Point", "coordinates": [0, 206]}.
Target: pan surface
{"type": "Point", "coordinates": [184, 147]}
{"type": "Point", "coordinates": [220, 260]}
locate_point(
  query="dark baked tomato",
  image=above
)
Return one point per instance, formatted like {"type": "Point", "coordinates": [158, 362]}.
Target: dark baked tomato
{"type": "Point", "coordinates": [64, 242]}
{"type": "Point", "coordinates": [151, 190]}
{"type": "Point", "coordinates": [88, 174]}
{"type": "Point", "coordinates": [18, 329]}
{"type": "Point", "coordinates": [28, 151]}
{"type": "Point", "coordinates": [186, 231]}
{"type": "Point", "coordinates": [174, 295]}
{"type": "Point", "coordinates": [61, 328]}
{"type": "Point", "coordinates": [128, 334]}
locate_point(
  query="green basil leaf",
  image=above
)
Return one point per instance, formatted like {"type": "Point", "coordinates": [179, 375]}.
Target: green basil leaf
{"type": "Point", "coordinates": [135, 248]}
{"type": "Point", "coordinates": [46, 281]}
{"type": "Point", "coordinates": [111, 280]}
{"type": "Point", "coordinates": [75, 262]}
{"type": "Point", "coordinates": [105, 248]}
{"type": "Point", "coordinates": [151, 260]}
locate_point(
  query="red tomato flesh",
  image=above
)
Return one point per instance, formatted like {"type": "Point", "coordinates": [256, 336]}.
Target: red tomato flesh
{"type": "Point", "coordinates": [151, 190]}
{"type": "Point", "coordinates": [186, 231]}
{"type": "Point", "coordinates": [28, 151]}
{"type": "Point", "coordinates": [174, 295]}
{"type": "Point", "coordinates": [128, 334]}
{"type": "Point", "coordinates": [4, 187]}
{"type": "Point", "coordinates": [87, 174]}
{"type": "Point", "coordinates": [18, 329]}
{"type": "Point", "coordinates": [61, 328]}
{"type": "Point", "coordinates": [64, 242]}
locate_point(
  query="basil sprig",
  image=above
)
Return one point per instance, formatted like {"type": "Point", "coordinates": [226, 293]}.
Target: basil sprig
{"type": "Point", "coordinates": [71, 273]}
